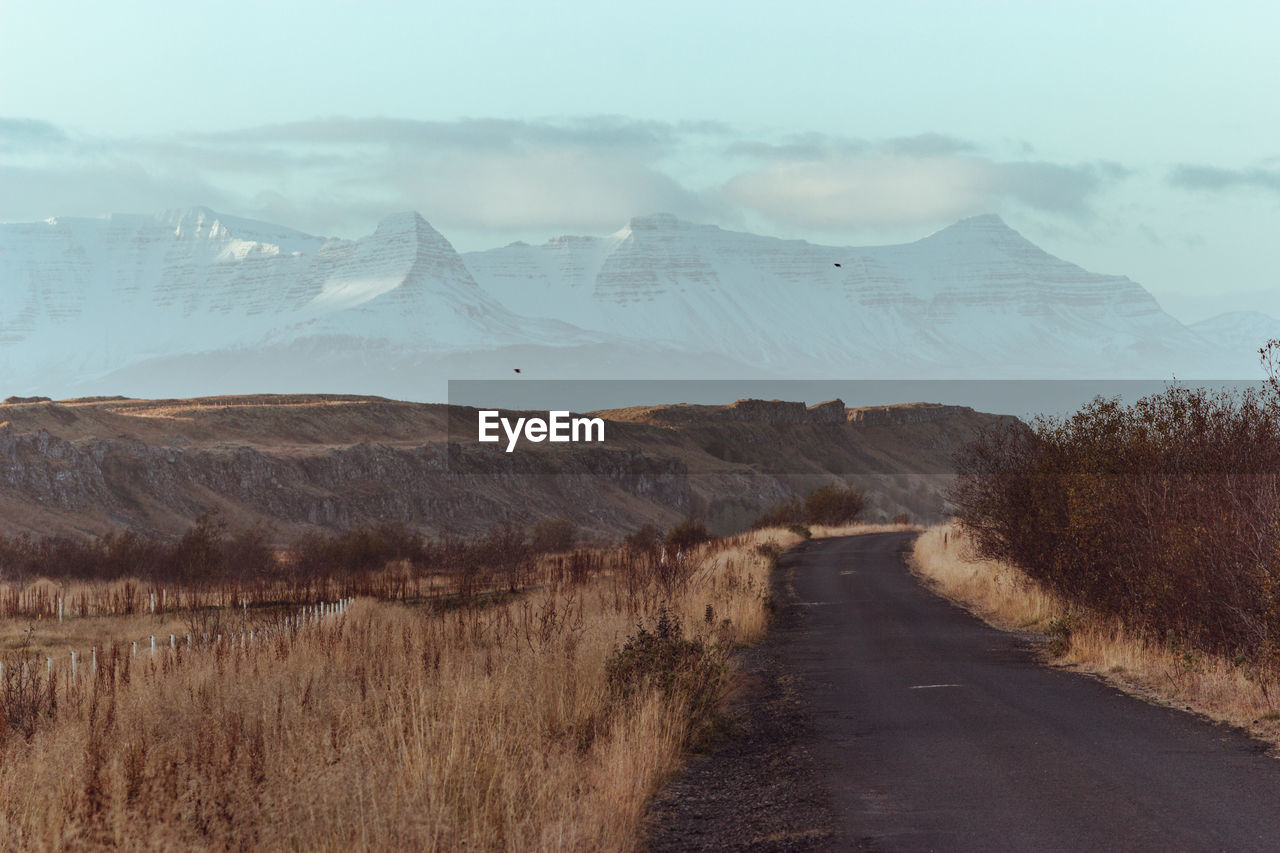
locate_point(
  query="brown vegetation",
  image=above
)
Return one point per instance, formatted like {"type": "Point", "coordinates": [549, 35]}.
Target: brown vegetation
{"type": "Point", "coordinates": [542, 720]}
{"type": "Point", "coordinates": [829, 505]}
{"type": "Point", "coordinates": [1161, 514]}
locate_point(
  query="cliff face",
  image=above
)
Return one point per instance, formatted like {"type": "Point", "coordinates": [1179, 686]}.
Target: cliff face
{"type": "Point", "coordinates": [306, 462]}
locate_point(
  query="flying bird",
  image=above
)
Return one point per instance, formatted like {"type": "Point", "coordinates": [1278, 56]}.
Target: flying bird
{"type": "Point", "coordinates": [837, 265]}
{"type": "Point", "coordinates": [516, 369]}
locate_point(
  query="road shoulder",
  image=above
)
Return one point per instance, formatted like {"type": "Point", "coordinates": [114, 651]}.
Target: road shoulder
{"type": "Point", "coordinates": [757, 788]}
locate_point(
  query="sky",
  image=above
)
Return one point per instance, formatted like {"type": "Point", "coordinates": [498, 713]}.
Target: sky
{"type": "Point", "coordinates": [1131, 138]}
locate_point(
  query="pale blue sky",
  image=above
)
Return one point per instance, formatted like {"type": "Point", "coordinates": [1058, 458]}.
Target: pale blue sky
{"type": "Point", "coordinates": [1133, 138]}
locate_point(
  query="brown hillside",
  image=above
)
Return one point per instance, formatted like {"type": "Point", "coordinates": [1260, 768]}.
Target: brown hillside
{"type": "Point", "coordinates": [302, 462]}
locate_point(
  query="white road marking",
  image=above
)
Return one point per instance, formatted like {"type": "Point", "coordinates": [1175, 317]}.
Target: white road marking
{"type": "Point", "coordinates": [931, 686]}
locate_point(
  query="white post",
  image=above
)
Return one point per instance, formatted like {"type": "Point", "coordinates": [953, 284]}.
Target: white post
{"type": "Point", "coordinates": [188, 641]}
{"type": "Point", "coordinates": [163, 599]}
{"type": "Point", "coordinates": [59, 608]}
{"type": "Point", "coordinates": [134, 653]}
{"type": "Point", "coordinates": [73, 664]}
{"type": "Point", "coordinates": [94, 663]}
{"type": "Point", "coordinates": [153, 602]}
{"type": "Point", "coordinates": [153, 645]}
{"type": "Point", "coordinates": [49, 668]}
{"type": "Point", "coordinates": [173, 645]}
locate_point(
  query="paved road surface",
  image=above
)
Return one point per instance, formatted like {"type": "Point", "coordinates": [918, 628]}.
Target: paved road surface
{"type": "Point", "coordinates": [935, 732]}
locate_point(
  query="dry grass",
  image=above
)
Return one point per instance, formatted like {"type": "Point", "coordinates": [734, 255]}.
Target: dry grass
{"type": "Point", "coordinates": [1232, 692]}
{"type": "Point", "coordinates": [388, 728]}
{"type": "Point", "coordinates": [858, 528]}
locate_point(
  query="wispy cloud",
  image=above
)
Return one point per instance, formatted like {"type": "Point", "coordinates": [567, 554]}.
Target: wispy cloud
{"type": "Point", "coordinates": [891, 186]}
{"type": "Point", "coordinates": [1212, 178]}
{"type": "Point", "coordinates": [23, 133]}
{"type": "Point", "coordinates": [503, 177]}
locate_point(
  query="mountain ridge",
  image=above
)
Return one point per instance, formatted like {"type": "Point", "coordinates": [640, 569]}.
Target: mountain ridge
{"type": "Point", "coordinates": [140, 304]}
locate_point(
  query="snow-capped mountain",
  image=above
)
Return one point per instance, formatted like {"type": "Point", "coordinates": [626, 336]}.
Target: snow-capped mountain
{"type": "Point", "coordinates": [975, 299]}
{"type": "Point", "coordinates": [193, 301]}
{"type": "Point", "coordinates": [83, 298]}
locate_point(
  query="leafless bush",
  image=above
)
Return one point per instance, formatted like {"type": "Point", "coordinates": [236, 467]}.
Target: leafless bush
{"type": "Point", "coordinates": [1162, 513]}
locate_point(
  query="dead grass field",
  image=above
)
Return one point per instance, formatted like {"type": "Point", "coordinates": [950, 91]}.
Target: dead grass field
{"type": "Point", "coordinates": [1224, 690]}
{"type": "Point", "coordinates": [391, 727]}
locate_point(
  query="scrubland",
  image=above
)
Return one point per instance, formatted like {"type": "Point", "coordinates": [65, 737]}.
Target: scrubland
{"type": "Point", "coordinates": [539, 716]}
{"type": "Point", "coordinates": [1142, 538]}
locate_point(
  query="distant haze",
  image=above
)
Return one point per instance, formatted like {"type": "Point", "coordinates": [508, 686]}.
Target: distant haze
{"type": "Point", "coordinates": [1132, 140]}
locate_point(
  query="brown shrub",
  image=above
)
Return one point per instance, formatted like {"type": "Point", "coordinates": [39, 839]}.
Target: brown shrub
{"type": "Point", "coordinates": [1161, 513]}
{"type": "Point", "coordinates": [833, 505]}
{"type": "Point", "coordinates": [555, 535]}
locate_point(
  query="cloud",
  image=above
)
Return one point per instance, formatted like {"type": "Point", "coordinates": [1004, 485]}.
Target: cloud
{"type": "Point", "coordinates": [928, 145]}
{"type": "Point", "coordinates": [27, 133]}
{"type": "Point", "coordinates": [499, 179]}
{"type": "Point", "coordinates": [590, 132]}
{"type": "Point", "coordinates": [895, 188]}
{"type": "Point", "coordinates": [1214, 179]}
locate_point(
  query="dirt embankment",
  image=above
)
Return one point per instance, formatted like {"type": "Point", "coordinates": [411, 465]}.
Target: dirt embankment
{"type": "Point", "coordinates": [302, 462]}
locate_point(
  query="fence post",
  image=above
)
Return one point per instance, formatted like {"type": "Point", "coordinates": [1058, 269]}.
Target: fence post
{"type": "Point", "coordinates": [93, 664]}
{"type": "Point", "coordinates": [134, 653]}
{"type": "Point", "coordinates": [173, 644]}
{"type": "Point", "coordinates": [73, 664]}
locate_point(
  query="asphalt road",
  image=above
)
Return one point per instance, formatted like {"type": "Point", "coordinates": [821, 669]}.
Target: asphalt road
{"type": "Point", "coordinates": [933, 731]}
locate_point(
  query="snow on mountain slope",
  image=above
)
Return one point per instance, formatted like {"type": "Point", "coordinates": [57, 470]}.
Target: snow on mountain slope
{"type": "Point", "coordinates": [975, 299]}
{"type": "Point", "coordinates": [1245, 330]}
{"type": "Point", "coordinates": [80, 297]}
{"type": "Point", "coordinates": [195, 302]}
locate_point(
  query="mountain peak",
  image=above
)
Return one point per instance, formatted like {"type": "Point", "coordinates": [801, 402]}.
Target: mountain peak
{"type": "Point", "coordinates": [194, 222]}
{"type": "Point", "coordinates": [987, 228]}
{"type": "Point", "coordinates": [656, 222]}
{"type": "Point", "coordinates": [410, 223]}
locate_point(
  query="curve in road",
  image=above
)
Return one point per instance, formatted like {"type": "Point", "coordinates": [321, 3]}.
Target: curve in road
{"type": "Point", "coordinates": [934, 731]}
